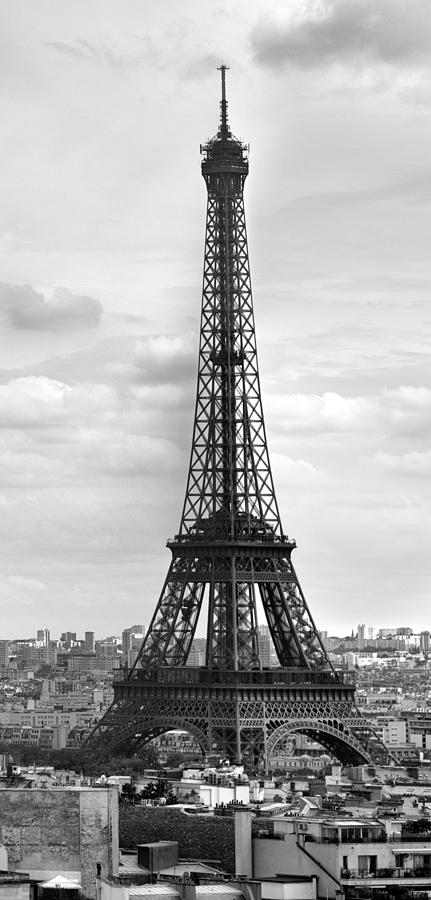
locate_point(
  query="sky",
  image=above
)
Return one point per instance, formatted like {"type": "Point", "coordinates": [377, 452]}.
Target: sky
{"type": "Point", "coordinates": [104, 105]}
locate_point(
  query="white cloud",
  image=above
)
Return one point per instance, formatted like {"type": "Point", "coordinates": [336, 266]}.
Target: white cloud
{"type": "Point", "coordinates": [353, 32]}
{"type": "Point", "coordinates": [60, 432]}
{"type": "Point", "coordinates": [329, 412]}
{"type": "Point", "coordinates": [141, 455]}
{"type": "Point", "coordinates": [415, 463]}
{"type": "Point", "coordinates": [104, 52]}
{"type": "Point", "coordinates": [26, 468]}
{"type": "Point", "coordinates": [407, 410]}
{"type": "Point", "coordinates": [22, 307]}
{"type": "Point", "coordinates": [29, 584]}
{"type": "Point", "coordinates": [295, 475]}
{"type": "Point", "coordinates": [402, 411]}
{"type": "Point", "coordinates": [166, 358]}
{"type": "Point", "coordinates": [160, 396]}
{"type": "Point", "coordinates": [40, 402]}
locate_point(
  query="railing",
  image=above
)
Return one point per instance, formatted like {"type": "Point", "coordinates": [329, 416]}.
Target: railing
{"type": "Point", "coordinates": [411, 838]}
{"type": "Point", "coordinates": [417, 872]}
{"type": "Point", "coordinates": [222, 537]}
{"type": "Point", "coordinates": [351, 839]}
{"type": "Point", "coordinates": [267, 835]}
{"type": "Point", "coordinates": [190, 675]}
{"type": "Point", "coordinates": [381, 838]}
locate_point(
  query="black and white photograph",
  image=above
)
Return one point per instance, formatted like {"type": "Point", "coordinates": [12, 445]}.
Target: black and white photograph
{"type": "Point", "coordinates": [215, 421]}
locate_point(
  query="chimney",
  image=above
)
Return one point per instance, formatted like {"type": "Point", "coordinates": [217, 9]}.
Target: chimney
{"type": "Point", "coordinates": [187, 887]}
{"type": "Point", "coordinates": [243, 843]}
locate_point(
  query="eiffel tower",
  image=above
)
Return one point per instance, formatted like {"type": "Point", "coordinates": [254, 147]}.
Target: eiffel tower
{"type": "Point", "coordinates": [231, 549]}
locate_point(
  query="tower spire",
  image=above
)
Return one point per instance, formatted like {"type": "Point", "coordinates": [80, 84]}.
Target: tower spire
{"type": "Point", "coordinates": [223, 104]}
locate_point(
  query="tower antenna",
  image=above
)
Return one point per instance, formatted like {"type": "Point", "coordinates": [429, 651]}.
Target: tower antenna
{"type": "Point", "coordinates": [223, 105]}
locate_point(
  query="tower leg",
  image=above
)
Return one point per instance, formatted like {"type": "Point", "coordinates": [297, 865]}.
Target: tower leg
{"type": "Point", "coordinates": [265, 736]}
{"type": "Point", "coordinates": [238, 733]}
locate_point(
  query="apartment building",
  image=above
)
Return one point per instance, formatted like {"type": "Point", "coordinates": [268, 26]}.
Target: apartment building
{"type": "Point", "coordinates": [344, 853]}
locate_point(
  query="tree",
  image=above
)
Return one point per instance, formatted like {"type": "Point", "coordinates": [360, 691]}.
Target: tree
{"type": "Point", "coordinates": [175, 759]}
{"type": "Point", "coordinates": [128, 793]}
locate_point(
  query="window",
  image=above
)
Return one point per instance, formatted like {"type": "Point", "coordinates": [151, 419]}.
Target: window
{"type": "Point", "coordinates": [363, 865]}
{"type": "Point", "coordinates": [367, 865]}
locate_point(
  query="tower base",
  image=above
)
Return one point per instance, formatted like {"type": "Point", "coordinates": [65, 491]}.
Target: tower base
{"type": "Point", "coordinates": [243, 715]}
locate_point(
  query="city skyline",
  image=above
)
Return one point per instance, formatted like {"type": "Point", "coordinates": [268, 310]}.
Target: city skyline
{"type": "Point", "coordinates": [101, 240]}
{"type": "Point", "coordinates": [44, 635]}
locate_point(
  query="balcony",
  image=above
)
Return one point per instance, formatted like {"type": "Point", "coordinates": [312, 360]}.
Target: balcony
{"type": "Point", "coordinates": [376, 838]}
{"type": "Point", "coordinates": [424, 838]}
{"type": "Point", "coordinates": [419, 876]}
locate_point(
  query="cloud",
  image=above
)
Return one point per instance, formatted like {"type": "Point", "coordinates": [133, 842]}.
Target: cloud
{"type": "Point", "coordinates": [295, 474]}
{"type": "Point", "coordinates": [39, 402]}
{"type": "Point", "coordinates": [407, 410]}
{"type": "Point", "coordinates": [201, 66]}
{"type": "Point", "coordinates": [32, 584]}
{"type": "Point", "coordinates": [400, 412]}
{"type": "Point", "coordinates": [102, 52]}
{"type": "Point", "coordinates": [158, 369]}
{"type": "Point", "coordinates": [20, 467]}
{"type": "Point", "coordinates": [327, 412]}
{"type": "Point", "coordinates": [23, 308]}
{"type": "Point", "coordinates": [355, 32]}
{"type": "Point", "coordinates": [193, 52]}
{"type": "Point", "coordinates": [141, 455]}
{"type": "Point", "coordinates": [161, 397]}
{"type": "Point", "coordinates": [56, 431]}
{"type": "Point", "coordinates": [386, 284]}
{"type": "Point", "coordinates": [413, 463]}
{"type": "Point", "coordinates": [166, 358]}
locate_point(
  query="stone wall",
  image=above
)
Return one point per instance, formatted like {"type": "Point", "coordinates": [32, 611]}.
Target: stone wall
{"type": "Point", "coordinates": [199, 837]}
{"type": "Point", "coordinates": [64, 831]}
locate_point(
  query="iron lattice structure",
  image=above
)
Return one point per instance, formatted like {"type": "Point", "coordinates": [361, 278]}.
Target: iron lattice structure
{"type": "Point", "coordinates": [231, 548]}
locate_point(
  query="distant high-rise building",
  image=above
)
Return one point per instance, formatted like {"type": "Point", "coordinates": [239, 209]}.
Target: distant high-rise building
{"type": "Point", "coordinates": [267, 654]}
{"type": "Point", "coordinates": [131, 639]}
{"type": "Point", "coordinates": [196, 658]}
{"type": "Point", "coordinates": [68, 636]}
{"type": "Point", "coordinates": [106, 649]}
{"type": "Point", "coordinates": [4, 654]}
{"type": "Point", "coordinates": [89, 641]}
{"type": "Point", "coordinates": [395, 732]}
{"type": "Point", "coordinates": [349, 660]}
{"type": "Point", "coordinates": [199, 643]}
{"type": "Point", "coordinates": [425, 641]}
{"type": "Point", "coordinates": [43, 636]}
{"type": "Point", "coordinates": [361, 636]}
{"type": "Point", "coordinates": [197, 655]}
{"type": "Point", "coordinates": [265, 651]}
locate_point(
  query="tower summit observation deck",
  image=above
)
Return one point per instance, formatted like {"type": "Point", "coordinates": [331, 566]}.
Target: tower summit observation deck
{"type": "Point", "coordinates": [230, 548]}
